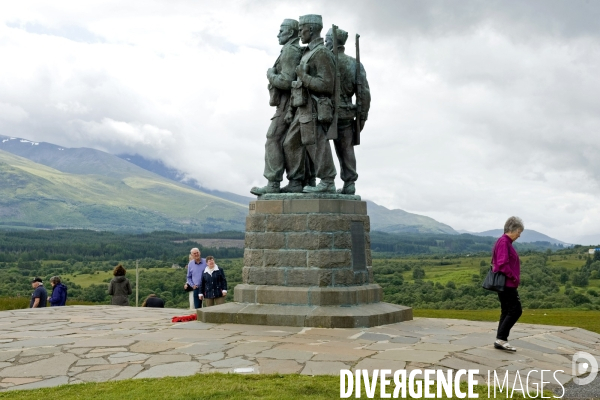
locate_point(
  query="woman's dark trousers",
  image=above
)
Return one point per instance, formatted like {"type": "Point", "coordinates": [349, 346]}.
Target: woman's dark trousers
{"type": "Point", "coordinates": [197, 301]}
{"type": "Point", "coordinates": [510, 304]}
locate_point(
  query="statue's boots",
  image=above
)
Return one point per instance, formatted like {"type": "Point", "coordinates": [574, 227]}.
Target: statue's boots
{"type": "Point", "coordinates": [322, 187]}
{"type": "Point", "coordinates": [272, 187]}
{"type": "Point", "coordinates": [348, 188]}
{"type": "Point", "coordinates": [294, 186]}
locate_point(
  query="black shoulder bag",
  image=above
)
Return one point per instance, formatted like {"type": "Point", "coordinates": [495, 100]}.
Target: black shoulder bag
{"type": "Point", "coordinates": [494, 281]}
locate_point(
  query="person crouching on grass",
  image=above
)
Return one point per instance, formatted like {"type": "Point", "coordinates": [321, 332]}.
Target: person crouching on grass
{"type": "Point", "coordinates": [213, 288]}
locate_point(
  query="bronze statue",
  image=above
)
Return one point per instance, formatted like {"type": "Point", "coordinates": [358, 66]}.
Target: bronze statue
{"type": "Point", "coordinates": [280, 83]}
{"type": "Point", "coordinates": [313, 113]}
{"type": "Point", "coordinates": [353, 80]}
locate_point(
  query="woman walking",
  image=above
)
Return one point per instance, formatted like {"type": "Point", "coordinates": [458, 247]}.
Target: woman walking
{"type": "Point", "coordinates": [506, 260]}
{"type": "Point", "coordinates": [119, 287]}
{"type": "Point", "coordinates": [59, 293]}
{"type": "Point", "coordinates": [213, 287]}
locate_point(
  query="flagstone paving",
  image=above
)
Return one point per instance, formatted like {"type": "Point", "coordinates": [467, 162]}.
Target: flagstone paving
{"type": "Point", "coordinates": [56, 346]}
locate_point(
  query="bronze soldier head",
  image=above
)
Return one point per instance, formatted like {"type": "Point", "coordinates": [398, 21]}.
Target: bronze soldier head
{"type": "Point", "coordinates": [342, 36]}
{"type": "Point", "coordinates": [287, 30]}
{"type": "Point", "coordinates": [310, 27]}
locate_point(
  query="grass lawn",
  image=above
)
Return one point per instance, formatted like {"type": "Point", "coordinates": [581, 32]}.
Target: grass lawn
{"type": "Point", "coordinates": [85, 280]}
{"type": "Point", "coordinates": [99, 277]}
{"type": "Point", "coordinates": [17, 303]}
{"type": "Point", "coordinates": [589, 320]}
{"type": "Point", "coordinates": [212, 386]}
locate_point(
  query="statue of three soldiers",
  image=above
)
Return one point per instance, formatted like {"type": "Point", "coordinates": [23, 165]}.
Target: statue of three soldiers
{"type": "Point", "coordinates": [312, 88]}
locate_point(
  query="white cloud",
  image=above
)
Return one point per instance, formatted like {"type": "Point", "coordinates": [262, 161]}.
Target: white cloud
{"type": "Point", "coordinates": [479, 111]}
{"type": "Point", "coordinates": [12, 113]}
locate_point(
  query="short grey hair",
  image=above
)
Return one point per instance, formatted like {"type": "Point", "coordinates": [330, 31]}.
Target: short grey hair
{"type": "Point", "coordinates": [514, 224]}
{"type": "Point", "coordinates": [55, 280]}
{"type": "Point", "coordinates": [196, 249]}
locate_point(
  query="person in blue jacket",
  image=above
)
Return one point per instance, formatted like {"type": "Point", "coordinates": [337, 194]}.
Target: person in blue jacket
{"type": "Point", "coordinates": [59, 292]}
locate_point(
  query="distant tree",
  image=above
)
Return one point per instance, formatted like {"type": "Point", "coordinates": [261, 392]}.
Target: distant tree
{"type": "Point", "coordinates": [579, 299]}
{"type": "Point", "coordinates": [564, 277]}
{"type": "Point", "coordinates": [447, 294]}
{"type": "Point", "coordinates": [580, 278]}
{"type": "Point", "coordinates": [418, 273]}
{"type": "Point", "coordinates": [397, 279]}
{"type": "Point", "coordinates": [96, 294]}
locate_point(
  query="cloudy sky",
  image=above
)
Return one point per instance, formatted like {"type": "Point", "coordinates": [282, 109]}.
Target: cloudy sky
{"type": "Point", "coordinates": [481, 109]}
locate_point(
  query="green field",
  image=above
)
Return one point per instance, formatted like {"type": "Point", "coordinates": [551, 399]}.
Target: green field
{"type": "Point", "coordinates": [460, 269]}
{"type": "Point", "coordinates": [17, 303]}
{"type": "Point", "coordinates": [100, 277]}
{"type": "Point", "coordinates": [589, 320]}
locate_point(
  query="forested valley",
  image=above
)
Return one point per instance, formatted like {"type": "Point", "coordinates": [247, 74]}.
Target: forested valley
{"type": "Point", "coordinates": [422, 271]}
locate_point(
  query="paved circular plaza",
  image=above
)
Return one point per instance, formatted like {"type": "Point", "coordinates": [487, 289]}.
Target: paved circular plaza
{"type": "Point", "coordinates": [55, 346]}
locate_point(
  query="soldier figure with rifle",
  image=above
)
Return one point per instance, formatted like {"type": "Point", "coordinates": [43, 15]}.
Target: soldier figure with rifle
{"type": "Point", "coordinates": [280, 83]}
{"type": "Point", "coordinates": [312, 102]}
{"type": "Point", "coordinates": [350, 118]}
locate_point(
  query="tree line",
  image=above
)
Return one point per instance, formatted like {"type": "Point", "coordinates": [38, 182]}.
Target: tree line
{"type": "Point", "coordinates": [86, 245]}
{"type": "Point", "coordinates": [540, 286]}
{"type": "Point", "coordinates": [421, 243]}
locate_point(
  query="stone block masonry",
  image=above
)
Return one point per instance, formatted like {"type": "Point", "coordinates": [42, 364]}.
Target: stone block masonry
{"type": "Point", "coordinates": [307, 262]}
{"type": "Point", "coordinates": [295, 239]}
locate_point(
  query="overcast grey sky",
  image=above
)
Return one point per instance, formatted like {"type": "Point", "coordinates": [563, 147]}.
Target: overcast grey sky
{"type": "Point", "coordinates": [481, 109]}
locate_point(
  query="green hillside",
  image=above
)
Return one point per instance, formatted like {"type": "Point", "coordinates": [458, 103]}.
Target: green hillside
{"type": "Point", "coordinates": [34, 195]}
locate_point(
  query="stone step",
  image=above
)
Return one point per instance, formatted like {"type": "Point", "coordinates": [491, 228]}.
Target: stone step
{"type": "Point", "coordinates": [359, 316]}
{"type": "Point", "coordinates": [309, 296]}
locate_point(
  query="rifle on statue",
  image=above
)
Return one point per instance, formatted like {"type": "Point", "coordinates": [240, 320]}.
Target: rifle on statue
{"type": "Point", "coordinates": [356, 136]}
{"type": "Point", "coordinates": [332, 132]}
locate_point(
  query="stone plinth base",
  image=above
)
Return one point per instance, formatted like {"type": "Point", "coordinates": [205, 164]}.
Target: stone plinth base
{"type": "Point", "coordinates": [307, 262]}
{"type": "Point", "coordinates": [358, 316]}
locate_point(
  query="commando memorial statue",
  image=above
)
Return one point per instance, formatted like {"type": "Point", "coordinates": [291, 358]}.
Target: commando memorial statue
{"type": "Point", "coordinates": [351, 118]}
{"type": "Point", "coordinates": [307, 250]}
{"type": "Point", "coordinates": [301, 86]}
{"type": "Point", "coordinates": [312, 89]}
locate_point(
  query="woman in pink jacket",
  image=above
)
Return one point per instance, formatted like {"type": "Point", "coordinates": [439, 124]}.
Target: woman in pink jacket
{"type": "Point", "coordinates": [506, 260]}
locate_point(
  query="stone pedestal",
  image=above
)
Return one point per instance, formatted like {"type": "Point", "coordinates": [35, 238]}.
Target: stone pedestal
{"type": "Point", "coordinates": [307, 262]}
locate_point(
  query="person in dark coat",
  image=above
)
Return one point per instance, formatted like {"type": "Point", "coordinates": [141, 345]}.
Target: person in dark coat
{"type": "Point", "coordinates": [59, 293]}
{"type": "Point", "coordinates": [119, 287]}
{"type": "Point", "coordinates": [213, 287]}
{"type": "Point", "coordinates": [153, 301]}
{"type": "Point", "coordinates": [39, 296]}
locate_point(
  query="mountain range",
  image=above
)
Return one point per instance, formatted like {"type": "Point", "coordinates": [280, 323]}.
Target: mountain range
{"type": "Point", "coordinates": [528, 236]}
{"type": "Point", "coordinates": [47, 186]}
{"type": "Point", "coordinates": [44, 185]}
{"type": "Point", "coordinates": [382, 219]}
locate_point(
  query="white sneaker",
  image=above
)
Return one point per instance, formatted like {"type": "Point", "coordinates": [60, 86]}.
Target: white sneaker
{"type": "Point", "coordinates": [503, 345]}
